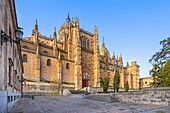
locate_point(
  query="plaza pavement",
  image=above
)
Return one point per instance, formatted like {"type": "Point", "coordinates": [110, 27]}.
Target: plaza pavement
{"type": "Point", "coordinates": [61, 104]}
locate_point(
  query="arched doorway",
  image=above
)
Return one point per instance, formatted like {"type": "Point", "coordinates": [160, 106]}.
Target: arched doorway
{"type": "Point", "coordinates": [85, 80]}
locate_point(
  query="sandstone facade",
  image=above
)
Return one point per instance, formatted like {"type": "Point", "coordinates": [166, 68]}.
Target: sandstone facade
{"type": "Point", "coordinates": [145, 82]}
{"type": "Point", "coordinates": [10, 57]}
{"type": "Point", "coordinates": [71, 60]}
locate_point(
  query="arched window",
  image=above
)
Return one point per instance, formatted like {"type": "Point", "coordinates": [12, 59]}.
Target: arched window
{"type": "Point", "coordinates": [45, 52]}
{"type": "Point", "coordinates": [48, 62]}
{"type": "Point", "coordinates": [67, 66]}
{"type": "Point", "coordinates": [24, 58]}
{"type": "Point", "coordinates": [84, 42]}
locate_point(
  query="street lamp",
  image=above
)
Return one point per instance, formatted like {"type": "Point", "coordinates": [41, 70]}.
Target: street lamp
{"type": "Point", "coordinates": [5, 37]}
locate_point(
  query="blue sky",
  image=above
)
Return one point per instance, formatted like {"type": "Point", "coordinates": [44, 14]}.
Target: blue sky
{"type": "Point", "coordinates": [131, 27]}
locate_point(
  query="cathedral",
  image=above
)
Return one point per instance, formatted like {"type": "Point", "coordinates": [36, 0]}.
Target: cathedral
{"type": "Point", "coordinates": [71, 59]}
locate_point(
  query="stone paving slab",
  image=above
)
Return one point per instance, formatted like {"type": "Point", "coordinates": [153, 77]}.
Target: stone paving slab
{"type": "Point", "coordinates": [25, 105]}
{"type": "Point", "coordinates": [60, 104]}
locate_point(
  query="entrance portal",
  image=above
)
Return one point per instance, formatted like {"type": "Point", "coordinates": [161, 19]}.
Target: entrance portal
{"type": "Point", "coordinates": [84, 83]}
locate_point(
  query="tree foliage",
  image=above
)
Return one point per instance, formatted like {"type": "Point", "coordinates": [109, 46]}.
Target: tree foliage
{"type": "Point", "coordinates": [105, 83]}
{"type": "Point", "coordinates": [162, 56]}
{"type": "Point", "coordinates": [165, 74]}
{"type": "Point", "coordinates": [116, 81]}
{"type": "Point", "coordinates": [127, 86]}
{"type": "Point", "coordinates": [161, 65]}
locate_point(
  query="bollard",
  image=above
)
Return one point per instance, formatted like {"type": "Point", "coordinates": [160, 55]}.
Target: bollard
{"type": "Point", "coordinates": [32, 97]}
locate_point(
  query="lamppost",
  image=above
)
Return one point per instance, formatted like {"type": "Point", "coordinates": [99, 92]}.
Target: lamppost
{"type": "Point", "coordinates": [6, 38]}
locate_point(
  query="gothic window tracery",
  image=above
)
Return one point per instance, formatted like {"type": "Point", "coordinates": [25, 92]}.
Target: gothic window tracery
{"type": "Point", "coordinates": [84, 42]}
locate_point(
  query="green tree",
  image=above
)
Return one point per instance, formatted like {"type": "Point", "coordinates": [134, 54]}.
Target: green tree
{"type": "Point", "coordinates": [104, 83]}
{"type": "Point", "coordinates": [116, 81]}
{"type": "Point", "coordinates": [162, 56]}
{"type": "Point", "coordinates": [127, 86]}
{"type": "Point", "coordinates": [161, 65]}
{"type": "Point", "coordinates": [165, 74]}
{"type": "Point", "coordinates": [156, 76]}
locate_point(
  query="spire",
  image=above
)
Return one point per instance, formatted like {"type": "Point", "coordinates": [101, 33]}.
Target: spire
{"type": "Point", "coordinates": [127, 64]}
{"type": "Point", "coordinates": [120, 58]}
{"type": "Point", "coordinates": [117, 57]}
{"type": "Point", "coordinates": [113, 57]}
{"type": "Point", "coordinates": [95, 29]}
{"type": "Point", "coordinates": [68, 18]}
{"type": "Point", "coordinates": [36, 25]}
{"type": "Point", "coordinates": [55, 34]}
{"type": "Point", "coordinates": [103, 44]}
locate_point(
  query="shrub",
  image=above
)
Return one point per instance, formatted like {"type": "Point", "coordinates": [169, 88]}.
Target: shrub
{"type": "Point", "coordinates": [104, 83]}
{"type": "Point", "coordinates": [127, 86]}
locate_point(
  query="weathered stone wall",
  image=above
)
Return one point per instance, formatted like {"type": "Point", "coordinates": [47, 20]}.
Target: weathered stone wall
{"type": "Point", "coordinates": [68, 74]}
{"type": "Point", "coordinates": [10, 59]}
{"type": "Point", "coordinates": [40, 88]}
{"type": "Point", "coordinates": [155, 96]}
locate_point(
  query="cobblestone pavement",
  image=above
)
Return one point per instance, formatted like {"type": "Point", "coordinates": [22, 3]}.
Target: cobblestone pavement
{"type": "Point", "coordinates": [59, 104]}
{"type": "Point", "coordinates": [25, 105]}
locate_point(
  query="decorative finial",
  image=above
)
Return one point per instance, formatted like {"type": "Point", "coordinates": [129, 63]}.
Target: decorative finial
{"type": "Point", "coordinates": [120, 54]}
{"type": "Point", "coordinates": [68, 18]}
{"type": "Point", "coordinates": [127, 65]}
{"type": "Point", "coordinates": [103, 44]}
{"type": "Point", "coordinates": [55, 34]}
{"type": "Point", "coordinates": [36, 24]}
{"type": "Point", "coordinates": [95, 29]}
{"type": "Point", "coordinates": [120, 58]}
{"type": "Point", "coordinates": [113, 57]}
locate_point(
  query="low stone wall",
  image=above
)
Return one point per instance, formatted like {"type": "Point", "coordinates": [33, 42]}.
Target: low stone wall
{"type": "Point", "coordinates": [155, 96]}
{"type": "Point", "coordinates": [100, 97]}
{"type": "Point", "coordinates": [40, 88]}
{"type": "Point", "coordinates": [44, 88]}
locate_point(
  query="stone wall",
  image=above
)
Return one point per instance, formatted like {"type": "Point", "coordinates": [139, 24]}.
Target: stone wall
{"type": "Point", "coordinates": [10, 57]}
{"type": "Point", "coordinates": [154, 96]}
{"type": "Point", "coordinates": [40, 88]}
